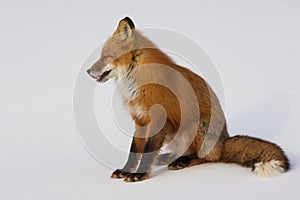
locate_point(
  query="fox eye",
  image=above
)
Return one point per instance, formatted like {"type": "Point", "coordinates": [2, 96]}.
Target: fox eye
{"type": "Point", "coordinates": [107, 59]}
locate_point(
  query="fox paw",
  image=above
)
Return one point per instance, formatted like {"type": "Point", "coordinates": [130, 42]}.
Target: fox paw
{"type": "Point", "coordinates": [177, 165]}
{"type": "Point", "coordinates": [119, 174]}
{"type": "Point", "coordinates": [134, 177]}
{"type": "Point", "coordinates": [180, 163]}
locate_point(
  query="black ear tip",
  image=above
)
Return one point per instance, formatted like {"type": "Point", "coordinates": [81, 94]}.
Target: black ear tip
{"type": "Point", "coordinates": [130, 22]}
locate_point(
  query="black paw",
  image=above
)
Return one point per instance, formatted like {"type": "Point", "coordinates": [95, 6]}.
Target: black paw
{"type": "Point", "coordinates": [177, 165]}
{"type": "Point", "coordinates": [119, 174]}
{"type": "Point", "coordinates": [134, 177]}
{"type": "Point", "coordinates": [180, 163]}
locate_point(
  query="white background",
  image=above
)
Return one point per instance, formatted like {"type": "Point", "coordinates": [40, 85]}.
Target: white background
{"type": "Point", "coordinates": [255, 45]}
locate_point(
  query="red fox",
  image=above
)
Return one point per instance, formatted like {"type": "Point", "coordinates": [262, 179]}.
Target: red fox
{"type": "Point", "coordinates": [125, 57]}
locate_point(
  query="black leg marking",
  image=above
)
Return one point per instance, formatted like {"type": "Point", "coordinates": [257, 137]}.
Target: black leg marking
{"type": "Point", "coordinates": [130, 164]}
{"type": "Point", "coordinates": [150, 152]}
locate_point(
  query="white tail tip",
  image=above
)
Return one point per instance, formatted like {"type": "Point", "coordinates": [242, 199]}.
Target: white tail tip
{"type": "Point", "coordinates": [269, 169]}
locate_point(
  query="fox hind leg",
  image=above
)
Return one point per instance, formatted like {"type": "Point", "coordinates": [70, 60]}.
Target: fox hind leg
{"type": "Point", "coordinates": [186, 161]}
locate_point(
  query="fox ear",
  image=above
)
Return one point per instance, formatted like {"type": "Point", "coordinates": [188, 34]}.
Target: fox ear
{"type": "Point", "coordinates": [125, 28]}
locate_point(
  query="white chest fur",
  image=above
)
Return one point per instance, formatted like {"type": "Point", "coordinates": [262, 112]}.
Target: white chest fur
{"type": "Point", "coordinates": [126, 85]}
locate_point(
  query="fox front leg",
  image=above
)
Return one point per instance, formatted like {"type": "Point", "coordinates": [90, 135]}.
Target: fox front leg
{"type": "Point", "coordinates": [137, 146]}
{"type": "Point", "coordinates": [152, 147]}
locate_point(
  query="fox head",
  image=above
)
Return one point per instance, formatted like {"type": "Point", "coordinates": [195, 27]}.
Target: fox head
{"type": "Point", "coordinates": [117, 53]}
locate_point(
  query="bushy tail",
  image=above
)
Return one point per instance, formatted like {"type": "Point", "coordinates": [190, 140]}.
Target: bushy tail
{"type": "Point", "coordinates": [265, 158]}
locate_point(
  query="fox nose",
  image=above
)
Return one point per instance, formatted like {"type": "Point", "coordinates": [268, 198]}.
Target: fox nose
{"type": "Point", "coordinates": [88, 71]}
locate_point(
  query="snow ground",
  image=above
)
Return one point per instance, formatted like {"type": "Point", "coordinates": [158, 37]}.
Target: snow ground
{"type": "Point", "coordinates": [255, 46]}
